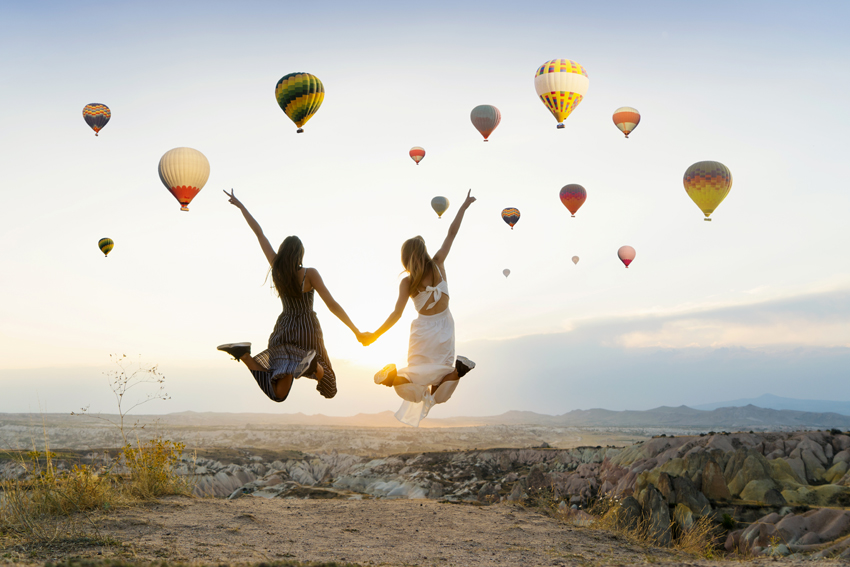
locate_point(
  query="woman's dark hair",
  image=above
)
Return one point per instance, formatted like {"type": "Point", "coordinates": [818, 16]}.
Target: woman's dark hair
{"type": "Point", "coordinates": [285, 267]}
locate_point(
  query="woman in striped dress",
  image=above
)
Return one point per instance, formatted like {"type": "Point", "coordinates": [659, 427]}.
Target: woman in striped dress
{"type": "Point", "coordinates": [296, 347]}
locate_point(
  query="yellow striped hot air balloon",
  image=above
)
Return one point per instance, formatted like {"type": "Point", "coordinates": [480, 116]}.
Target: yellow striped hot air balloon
{"type": "Point", "coordinates": [105, 245]}
{"type": "Point", "coordinates": [561, 84]}
{"type": "Point", "coordinates": [299, 95]}
{"type": "Point", "coordinates": [708, 183]}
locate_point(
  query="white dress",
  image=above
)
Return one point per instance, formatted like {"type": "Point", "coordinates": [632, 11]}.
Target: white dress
{"type": "Point", "coordinates": [430, 357]}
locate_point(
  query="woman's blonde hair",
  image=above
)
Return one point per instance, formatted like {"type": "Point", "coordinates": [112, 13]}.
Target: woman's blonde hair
{"type": "Point", "coordinates": [417, 262]}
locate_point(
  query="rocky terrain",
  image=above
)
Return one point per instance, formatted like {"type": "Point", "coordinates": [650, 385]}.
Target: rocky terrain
{"type": "Point", "coordinates": [774, 493]}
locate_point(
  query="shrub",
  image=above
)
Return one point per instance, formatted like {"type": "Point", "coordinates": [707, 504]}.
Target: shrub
{"type": "Point", "coordinates": [151, 465]}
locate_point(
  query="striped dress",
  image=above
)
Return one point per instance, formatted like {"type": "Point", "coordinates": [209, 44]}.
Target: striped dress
{"type": "Point", "coordinates": [297, 331]}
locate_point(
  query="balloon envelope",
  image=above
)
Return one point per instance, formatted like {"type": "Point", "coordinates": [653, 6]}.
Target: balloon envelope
{"type": "Point", "coordinates": [510, 216]}
{"type": "Point", "coordinates": [575, 259]}
{"type": "Point", "coordinates": [485, 118]}
{"type": "Point", "coordinates": [417, 153]}
{"type": "Point", "coordinates": [573, 197]}
{"type": "Point", "coordinates": [707, 184]}
{"type": "Point", "coordinates": [626, 254]}
{"type": "Point", "coordinates": [507, 272]}
{"type": "Point", "coordinates": [299, 95]}
{"type": "Point", "coordinates": [626, 119]}
{"type": "Point", "coordinates": [184, 172]}
{"type": "Point", "coordinates": [561, 84]}
{"type": "Point", "coordinates": [105, 245]}
{"type": "Point", "coordinates": [96, 116]}
{"type": "Point", "coordinates": [440, 205]}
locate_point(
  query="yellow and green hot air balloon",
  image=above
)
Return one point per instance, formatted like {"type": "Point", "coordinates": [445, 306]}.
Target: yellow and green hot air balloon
{"type": "Point", "coordinates": [105, 245]}
{"type": "Point", "coordinates": [708, 183]}
{"type": "Point", "coordinates": [299, 95]}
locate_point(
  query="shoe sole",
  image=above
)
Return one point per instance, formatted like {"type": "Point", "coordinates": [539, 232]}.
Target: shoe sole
{"type": "Point", "coordinates": [232, 345]}
{"type": "Point", "coordinates": [384, 373]}
{"type": "Point", "coordinates": [304, 365]}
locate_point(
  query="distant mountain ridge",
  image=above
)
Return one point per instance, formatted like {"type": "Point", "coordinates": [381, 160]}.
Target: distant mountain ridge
{"type": "Point", "coordinates": [770, 401]}
{"type": "Point", "coordinates": [726, 418]}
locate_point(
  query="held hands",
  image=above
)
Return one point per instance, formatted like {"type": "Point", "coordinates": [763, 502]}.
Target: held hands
{"type": "Point", "coordinates": [233, 200]}
{"type": "Point", "coordinates": [366, 339]}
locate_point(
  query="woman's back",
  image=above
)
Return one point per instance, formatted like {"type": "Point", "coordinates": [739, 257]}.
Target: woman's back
{"type": "Point", "coordinates": [432, 298]}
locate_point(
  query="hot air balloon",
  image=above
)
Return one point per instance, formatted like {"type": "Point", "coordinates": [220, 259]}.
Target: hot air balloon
{"type": "Point", "coordinates": [96, 116]}
{"type": "Point", "coordinates": [299, 95]}
{"type": "Point", "coordinates": [573, 197]}
{"type": "Point", "coordinates": [626, 254]}
{"type": "Point", "coordinates": [184, 172]}
{"type": "Point", "coordinates": [510, 216]}
{"type": "Point", "coordinates": [708, 183]}
{"type": "Point", "coordinates": [561, 84]}
{"type": "Point", "coordinates": [507, 272]}
{"type": "Point", "coordinates": [626, 119]}
{"type": "Point", "coordinates": [575, 259]}
{"type": "Point", "coordinates": [485, 118]}
{"type": "Point", "coordinates": [417, 153]}
{"type": "Point", "coordinates": [105, 245]}
{"type": "Point", "coordinates": [440, 205]}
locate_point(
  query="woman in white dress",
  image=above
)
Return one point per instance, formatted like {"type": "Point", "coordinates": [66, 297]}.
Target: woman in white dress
{"type": "Point", "coordinates": [432, 372]}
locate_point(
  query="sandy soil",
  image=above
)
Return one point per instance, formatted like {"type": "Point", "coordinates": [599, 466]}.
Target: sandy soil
{"type": "Point", "coordinates": [368, 532]}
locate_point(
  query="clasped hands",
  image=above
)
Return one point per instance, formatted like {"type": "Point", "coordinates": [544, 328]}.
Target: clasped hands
{"type": "Point", "coordinates": [366, 339]}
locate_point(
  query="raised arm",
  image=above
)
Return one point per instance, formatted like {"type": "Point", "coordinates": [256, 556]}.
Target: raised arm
{"type": "Point", "coordinates": [318, 284]}
{"type": "Point", "coordinates": [255, 226]}
{"type": "Point", "coordinates": [403, 295]}
{"type": "Point", "coordinates": [441, 254]}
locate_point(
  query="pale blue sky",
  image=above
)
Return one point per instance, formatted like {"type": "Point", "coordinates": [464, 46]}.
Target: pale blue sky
{"type": "Point", "coordinates": [760, 87]}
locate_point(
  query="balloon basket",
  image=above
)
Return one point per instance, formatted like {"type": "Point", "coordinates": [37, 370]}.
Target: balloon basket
{"type": "Point", "coordinates": [486, 140]}
{"type": "Point", "coordinates": [184, 208]}
{"type": "Point", "coordinates": [572, 216]}
{"type": "Point", "coordinates": [560, 126]}
{"type": "Point", "coordinates": [300, 131]}
{"type": "Point", "coordinates": [707, 220]}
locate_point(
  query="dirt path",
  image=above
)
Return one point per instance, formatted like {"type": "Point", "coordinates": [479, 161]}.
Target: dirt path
{"type": "Point", "coordinates": [368, 532]}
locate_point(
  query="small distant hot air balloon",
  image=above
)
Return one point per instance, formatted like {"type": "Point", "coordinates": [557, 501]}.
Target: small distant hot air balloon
{"type": "Point", "coordinates": [708, 183]}
{"type": "Point", "coordinates": [626, 119]}
{"type": "Point", "coordinates": [299, 95]}
{"type": "Point", "coordinates": [96, 116]}
{"type": "Point", "coordinates": [184, 172]}
{"type": "Point", "coordinates": [561, 84]}
{"type": "Point", "coordinates": [417, 153]}
{"type": "Point", "coordinates": [440, 205]}
{"type": "Point", "coordinates": [626, 254]}
{"type": "Point", "coordinates": [575, 259]}
{"type": "Point", "coordinates": [573, 197]}
{"type": "Point", "coordinates": [510, 216]}
{"type": "Point", "coordinates": [105, 245]}
{"type": "Point", "coordinates": [485, 118]}
{"type": "Point", "coordinates": [507, 272]}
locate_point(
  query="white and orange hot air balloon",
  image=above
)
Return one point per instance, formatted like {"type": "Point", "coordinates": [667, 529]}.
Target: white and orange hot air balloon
{"type": "Point", "coordinates": [417, 153]}
{"type": "Point", "coordinates": [626, 119]}
{"type": "Point", "coordinates": [184, 172]}
{"type": "Point", "coordinates": [626, 254]}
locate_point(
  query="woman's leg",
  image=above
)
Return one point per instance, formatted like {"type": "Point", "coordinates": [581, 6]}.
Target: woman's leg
{"type": "Point", "coordinates": [447, 378]}
{"type": "Point", "coordinates": [251, 363]}
{"type": "Point", "coordinates": [282, 386]}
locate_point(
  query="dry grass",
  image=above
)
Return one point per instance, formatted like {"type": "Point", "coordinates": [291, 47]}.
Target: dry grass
{"type": "Point", "coordinates": [51, 503]}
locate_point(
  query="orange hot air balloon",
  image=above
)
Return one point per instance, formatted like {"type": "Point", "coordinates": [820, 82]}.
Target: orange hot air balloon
{"type": "Point", "coordinates": [626, 119]}
{"type": "Point", "coordinates": [417, 153]}
{"type": "Point", "coordinates": [626, 254]}
{"type": "Point", "coordinates": [573, 197]}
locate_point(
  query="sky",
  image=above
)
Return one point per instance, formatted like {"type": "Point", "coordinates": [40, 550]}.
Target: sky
{"type": "Point", "coordinates": [756, 301]}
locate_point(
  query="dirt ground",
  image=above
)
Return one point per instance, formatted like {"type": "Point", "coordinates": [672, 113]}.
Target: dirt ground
{"type": "Point", "coordinates": [368, 532]}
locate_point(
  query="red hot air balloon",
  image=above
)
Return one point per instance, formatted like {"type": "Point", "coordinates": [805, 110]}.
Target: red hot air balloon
{"type": "Point", "coordinates": [573, 197]}
{"type": "Point", "coordinates": [417, 153]}
{"type": "Point", "coordinates": [626, 119]}
{"type": "Point", "coordinates": [626, 254]}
